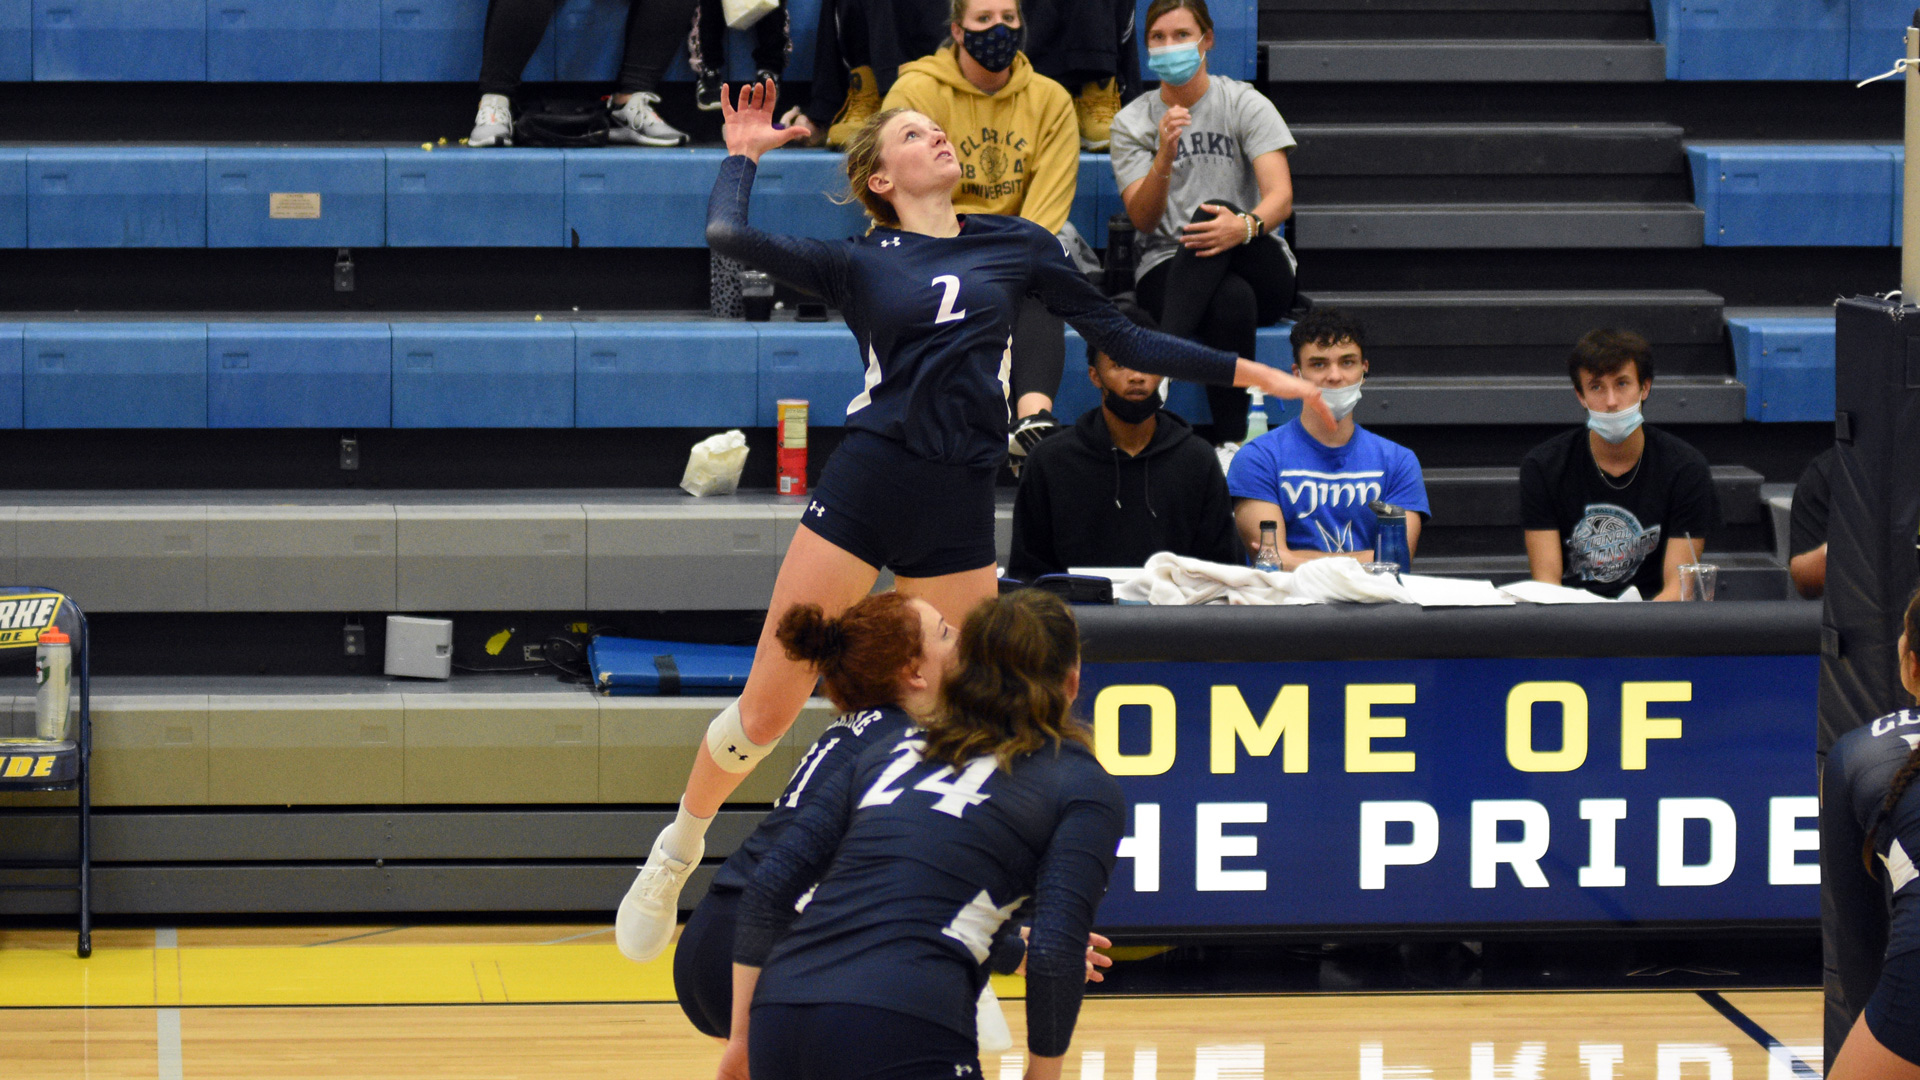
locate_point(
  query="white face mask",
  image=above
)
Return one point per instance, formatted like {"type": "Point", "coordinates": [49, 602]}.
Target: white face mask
{"type": "Point", "coordinates": [1615, 426]}
{"type": "Point", "coordinates": [1342, 400]}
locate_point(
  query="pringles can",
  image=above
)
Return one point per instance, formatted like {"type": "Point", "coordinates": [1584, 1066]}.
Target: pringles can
{"type": "Point", "coordinates": [791, 437]}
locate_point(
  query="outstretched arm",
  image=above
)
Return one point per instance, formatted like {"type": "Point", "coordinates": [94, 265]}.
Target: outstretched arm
{"type": "Point", "coordinates": [811, 266]}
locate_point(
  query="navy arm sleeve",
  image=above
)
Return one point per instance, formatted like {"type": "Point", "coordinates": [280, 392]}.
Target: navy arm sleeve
{"type": "Point", "coordinates": [1072, 879]}
{"type": "Point", "coordinates": [812, 266]}
{"type": "Point", "coordinates": [798, 861]}
{"type": "Point", "coordinates": [1066, 292]}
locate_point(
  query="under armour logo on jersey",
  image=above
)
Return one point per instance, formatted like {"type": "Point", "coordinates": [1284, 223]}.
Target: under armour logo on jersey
{"type": "Point", "coordinates": [963, 1070]}
{"type": "Point", "coordinates": [816, 509]}
{"type": "Point", "coordinates": [895, 242]}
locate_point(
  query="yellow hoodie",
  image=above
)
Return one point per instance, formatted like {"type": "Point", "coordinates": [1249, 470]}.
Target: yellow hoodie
{"type": "Point", "coordinates": [1019, 148]}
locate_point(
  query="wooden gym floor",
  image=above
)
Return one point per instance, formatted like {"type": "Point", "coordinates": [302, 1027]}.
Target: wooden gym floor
{"type": "Point", "coordinates": [488, 1002]}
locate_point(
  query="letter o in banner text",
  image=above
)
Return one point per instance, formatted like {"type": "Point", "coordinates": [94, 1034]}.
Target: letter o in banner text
{"type": "Point", "coordinates": [1106, 730]}
{"type": "Point", "coordinates": [1573, 727]}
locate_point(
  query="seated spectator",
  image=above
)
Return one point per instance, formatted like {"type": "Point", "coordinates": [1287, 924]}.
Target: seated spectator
{"type": "Point", "coordinates": [1127, 481]}
{"type": "Point", "coordinates": [1615, 503]}
{"type": "Point", "coordinates": [1018, 145]}
{"type": "Point", "coordinates": [707, 50]}
{"type": "Point", "coordinates": [1807, 527]}
{"type": "Point", "coordinates": [513, 32]}
{"type": "Point", "coordinates": [861, 45]}
{"type": "Point", "coordinates": [1202, 170]}
{"type": "Point", "coordinates": [1315, 480]}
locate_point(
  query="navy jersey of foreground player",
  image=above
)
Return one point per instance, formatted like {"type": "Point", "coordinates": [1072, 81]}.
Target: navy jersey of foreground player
{"type": "Point", "coordinates": [1860, 771]}
{"type": "Point", "coordinates": [927, 861]}
{"type": "Point", "coordinates": [703, 961]}
{"type": "Point", "coordinates": [933, 317]}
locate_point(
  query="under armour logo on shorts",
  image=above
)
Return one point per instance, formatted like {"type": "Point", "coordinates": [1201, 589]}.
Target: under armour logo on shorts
{"type": "Point", "coordinates": [816, 509]}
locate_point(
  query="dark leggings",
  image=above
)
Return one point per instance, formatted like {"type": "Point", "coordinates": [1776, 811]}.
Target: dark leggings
{"type": "Point", "coordinates": [881, 34]}
{"type": "Point", "coordinates": [1039, 352]}
{"type": "Point", "coordinates": [1221, 301]}
{"type": "Point", "coordinates": [855, 1042]}
{"type": "Point", "coordinates": [707, 44]}
{"type": "Point", "coordinates": [515, 27]}
{"type": "Point", "coordinates": [703, 961]}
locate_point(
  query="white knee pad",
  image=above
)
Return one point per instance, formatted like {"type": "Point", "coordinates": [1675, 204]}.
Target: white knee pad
{"type": "Point", "coordinates": [728, 745]}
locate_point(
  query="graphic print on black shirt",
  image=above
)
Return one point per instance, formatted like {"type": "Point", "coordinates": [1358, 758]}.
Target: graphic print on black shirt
{"type": "Point", "coordinates": [1614, 531]}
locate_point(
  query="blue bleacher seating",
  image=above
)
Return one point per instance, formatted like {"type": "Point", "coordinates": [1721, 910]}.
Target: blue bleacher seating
{"type": "Point", "coordinates": [439, 41]}
{"type": "Point", "coordinates": [13, 198]}
{"type": "Point", "coordinates": [293, 40]}
{"type": "Point", "coordinates": [1787, 365]}
{"type": "Point", "coordinates": [1795, 195]}
{"type": "Point", "coordinates": [1746, 39]}
{"type": "Point", "coordinates": [115, 375]}
{"type": "Point", "coordinates": [299, 375]}
{"type": "Point", "coordinates": [12, 346]}
{"type": "Point", "coordinates": [792, 194]}
{"type": "Point", "coordinates": [618, 198]}
{"type": "Point", "coordinates": [16, 40]}
{"type": "Point", "coordinates": [462, 198]}
{"type": "Point", "coordinates": [330, 197]}
{"type": "Point", "coordinates": [1876, 35]}
{"type": "Point", "coordinates": [103, 197]}
{"type": "Point", "coordinates": [815, 361]}
{"type": "Point", "coordinates": [668, 374]}
{"type": "Point", "coordinates": [480, 375]}
{"type": "Point", "coordinates": [120, 40]}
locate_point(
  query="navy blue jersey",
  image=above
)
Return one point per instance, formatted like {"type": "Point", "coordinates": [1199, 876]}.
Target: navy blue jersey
{"type": "Point", "coordinates": [836, 749]}
{"type": "Point", "coordinates": [919, 864]}
{"type": "Point", "coordinates": [1860, 770]}
{"type": "Point", "coordinates": [933, 317]}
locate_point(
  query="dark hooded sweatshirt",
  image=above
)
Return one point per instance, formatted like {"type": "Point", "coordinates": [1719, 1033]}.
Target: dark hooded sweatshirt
{"type": "Point", "coordinates": [1084, 502]}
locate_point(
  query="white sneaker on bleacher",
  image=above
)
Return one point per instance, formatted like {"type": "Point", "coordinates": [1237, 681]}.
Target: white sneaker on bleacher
{"type": "Point", "coordinates": [636, 123]}
{"type": "Point", "coordinates": [651, 908]}
{"type": "Point", "coordinates": [493, 124]}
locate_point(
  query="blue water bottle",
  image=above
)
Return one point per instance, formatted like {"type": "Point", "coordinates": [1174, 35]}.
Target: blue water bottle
{"type": "Point", "coordinates": [1391, 546]}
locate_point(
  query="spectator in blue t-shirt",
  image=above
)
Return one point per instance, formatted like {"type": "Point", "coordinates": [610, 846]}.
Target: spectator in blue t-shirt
{"type": "Point", "coordinates": [1315, 480]}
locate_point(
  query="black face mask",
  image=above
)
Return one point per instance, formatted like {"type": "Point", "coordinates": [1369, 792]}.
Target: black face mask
{"type": "Point", "coordinates": [992, 48]}
{"type": "Point", "coordinates": [1128, 411]}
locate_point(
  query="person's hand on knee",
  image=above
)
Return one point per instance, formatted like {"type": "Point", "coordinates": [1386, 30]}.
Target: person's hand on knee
{"type": "Point", "coordinates": [1225, 231]}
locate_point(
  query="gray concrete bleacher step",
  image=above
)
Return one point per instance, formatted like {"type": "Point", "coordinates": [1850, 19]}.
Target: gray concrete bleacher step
{"type": "Point", "coordinates": [1488, 225]}
{"type": "Point", "coordinates": [1474, 332]}
{"type": "Point", "coordinates": [1493, 162]}
{"type": "Point", "coordinates": [1624, 20]}
{"type": "Point", "coordinates": [1541, 399]}
{"type": "Point", "coordinates": [1465, 61]}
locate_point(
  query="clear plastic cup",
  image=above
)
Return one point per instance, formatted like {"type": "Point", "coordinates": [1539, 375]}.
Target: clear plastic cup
{"type": "Point", "coordinates": [1697, 580]}
{"type": "Point", "coordinates": [1383, 569]}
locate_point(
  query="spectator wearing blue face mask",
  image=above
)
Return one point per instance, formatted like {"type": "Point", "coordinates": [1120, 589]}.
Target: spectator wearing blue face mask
{"type": "Point", "coordinates": [1316, 480]}
{"type": "Point", "coordinates": [1202, 169]}
{"type": "Point", "coordinates": [1615, 503]}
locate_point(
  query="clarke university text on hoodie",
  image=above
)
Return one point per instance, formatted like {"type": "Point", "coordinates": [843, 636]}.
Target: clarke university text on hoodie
{"type": "Point", "coordinates": [1018, 148]}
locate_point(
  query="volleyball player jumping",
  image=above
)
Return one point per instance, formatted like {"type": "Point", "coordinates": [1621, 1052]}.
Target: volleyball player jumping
{"type": "Point", "coordinates": [1870, 829]}
{"type": "Point", "coordinates": [931, 299]}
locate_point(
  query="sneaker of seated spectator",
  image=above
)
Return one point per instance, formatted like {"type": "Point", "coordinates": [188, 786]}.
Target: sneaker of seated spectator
{"type": "Point", "coordinates": [1095, 107]}
{"type": "Point", "coordinates": [1127, 481]}
{"type": "Point", "coordinates": [514, 30]}
{"type": "Point", "coordinates": [1615, 503]}
{"type": "Point", "coordinates": [1315, 480]}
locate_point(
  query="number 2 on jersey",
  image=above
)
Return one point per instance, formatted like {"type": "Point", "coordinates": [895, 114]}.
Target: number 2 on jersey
{"type": "Point", "coordinates": [951, 283]}
{"type": "Point", "coordinates": [955, 795]}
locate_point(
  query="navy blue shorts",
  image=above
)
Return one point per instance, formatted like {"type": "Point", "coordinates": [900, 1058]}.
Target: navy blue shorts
{"type": "Point", "coordinates": [703, 963]}
{"type": "Point", "coordinates": [895, 510]}
{"type": "Point", "coordinates": [855, 1042]}
{"type": "Point", "coordinates": [1893, 1012]}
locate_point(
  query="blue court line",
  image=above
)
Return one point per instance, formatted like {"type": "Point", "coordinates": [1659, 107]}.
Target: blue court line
{"type": "Point", "coordinates": [1774, 1047]}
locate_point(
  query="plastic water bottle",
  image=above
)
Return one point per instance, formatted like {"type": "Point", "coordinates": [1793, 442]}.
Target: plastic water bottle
{"type": "Point", "coordinates": [1391, 546]}
{"type": "Point", "coordinates": [53, 675]}
{"type": "Point", "coordinates": [1256, 415]}
{"type": "Point", "coordinates": [1268, 557]}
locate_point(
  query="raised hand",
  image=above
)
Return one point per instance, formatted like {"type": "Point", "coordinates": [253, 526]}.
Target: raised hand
{"type": "Point", "coordinates": [1277, 383]}
{"type": "Point", "coordinates": [749, 128]}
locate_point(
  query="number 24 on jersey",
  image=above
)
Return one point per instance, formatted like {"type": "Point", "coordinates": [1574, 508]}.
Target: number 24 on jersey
{"type": "Point", "coordinates": [955, 794]}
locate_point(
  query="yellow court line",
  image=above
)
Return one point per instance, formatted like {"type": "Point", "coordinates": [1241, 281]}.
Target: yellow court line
{"type": "Point", "coordinates": [342, 975]}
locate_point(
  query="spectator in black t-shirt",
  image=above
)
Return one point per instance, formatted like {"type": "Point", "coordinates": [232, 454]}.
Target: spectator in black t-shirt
{"type": "Point", "coordinates": [1615, 503]}
{"type": "Point", "coordinates": [1807, 527]}
{"type": "Point", "coordinates": [1127, 481]}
